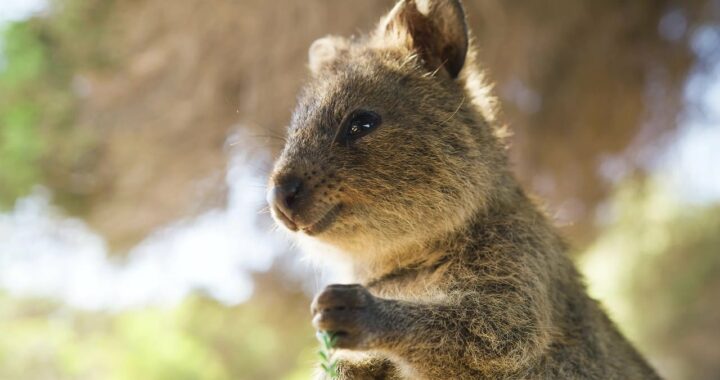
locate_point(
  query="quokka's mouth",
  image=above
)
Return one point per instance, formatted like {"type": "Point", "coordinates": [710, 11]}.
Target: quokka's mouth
{"type": "Point", "coordinates": [324, 222]}
{"type": "Point", "coordinates": [284, 219]}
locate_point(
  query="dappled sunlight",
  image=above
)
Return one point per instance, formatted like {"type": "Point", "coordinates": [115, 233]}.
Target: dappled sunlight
{"type": "Point", "coordinates": [136, 140]}
{"type": "Point", "coordinates": [653, 268]}
{"type": "Point", "coordinates": [48, 254]}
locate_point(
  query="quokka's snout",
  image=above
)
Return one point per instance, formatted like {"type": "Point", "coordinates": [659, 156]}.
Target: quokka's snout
{"type": "Point", "coordinates": [283, 197]}
{"type": "Point", "coordinates": [305, 200]}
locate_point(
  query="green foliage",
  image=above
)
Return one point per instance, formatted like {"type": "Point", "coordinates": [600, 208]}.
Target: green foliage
{"type": "Point", "coordinates": [21, 147]}
{"type": "Point", "coordinates": [153, 344]}
{"type": "Point", "coordinates": [21, 140]}
{"type": "Point", "coordinates": [25, 56]}
{"type": "Point", "coordinates": [40, 142]}
{"type": "Point", "coordinates": [327, 349]}
{"type": "Point", "coordinates": [198, 339]}
{"type": "Point", "coordinates": [661, 255]}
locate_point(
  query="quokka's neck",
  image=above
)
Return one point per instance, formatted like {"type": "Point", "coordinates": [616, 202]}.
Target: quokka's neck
{"type": "Point", "coordinates": [510, 220]}
{"type": "Point", "coordinates": [507, 215]}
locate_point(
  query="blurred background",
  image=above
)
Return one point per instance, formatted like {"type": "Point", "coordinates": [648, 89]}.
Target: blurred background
{"type": "Point", "coordinates": [136, 136]}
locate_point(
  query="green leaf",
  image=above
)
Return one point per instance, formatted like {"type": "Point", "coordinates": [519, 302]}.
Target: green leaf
{"type": "Point", "coordinates": [323, 355]}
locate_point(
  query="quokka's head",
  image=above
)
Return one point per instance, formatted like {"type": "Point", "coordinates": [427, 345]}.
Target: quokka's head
{"type": "Point", "coordinates": [387, 146]}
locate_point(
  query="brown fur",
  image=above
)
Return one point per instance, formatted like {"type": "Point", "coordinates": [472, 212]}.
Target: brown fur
{"type": "Point", "coordinates": [462, 276]}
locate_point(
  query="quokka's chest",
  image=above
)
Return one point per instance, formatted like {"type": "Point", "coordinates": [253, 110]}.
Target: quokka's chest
{"type": "Point", "coordinates": [425, 287]}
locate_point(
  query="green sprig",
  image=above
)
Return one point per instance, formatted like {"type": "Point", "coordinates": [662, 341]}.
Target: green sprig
{"type": "Point", "coordinates": [327, 349]}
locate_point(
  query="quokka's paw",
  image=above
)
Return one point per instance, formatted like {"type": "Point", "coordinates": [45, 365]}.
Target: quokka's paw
{"type": "Point", "coordinates": [346, 312]}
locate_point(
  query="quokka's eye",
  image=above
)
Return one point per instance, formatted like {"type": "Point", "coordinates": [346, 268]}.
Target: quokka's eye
{"type": "Point", "coordinates": [359, 124]}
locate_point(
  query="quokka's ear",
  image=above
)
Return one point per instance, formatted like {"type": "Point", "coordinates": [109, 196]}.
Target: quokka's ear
{"type": "Point", "coordinates": [324, 51]}
{"type": "Point", "coordinates": [435, 29]}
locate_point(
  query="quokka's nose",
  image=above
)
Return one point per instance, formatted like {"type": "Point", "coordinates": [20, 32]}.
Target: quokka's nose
{"type": "Point", "coordinates": [283, 198]}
